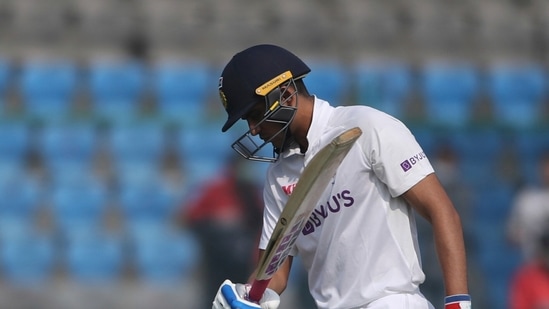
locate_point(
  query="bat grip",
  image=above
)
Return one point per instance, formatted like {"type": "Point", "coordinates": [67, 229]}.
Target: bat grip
{"type": "Point", "coordinates": [257, 289]}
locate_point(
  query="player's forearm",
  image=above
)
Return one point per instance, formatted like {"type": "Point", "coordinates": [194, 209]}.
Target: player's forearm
{"type": "Point", "coordinates": [279, 281]}
{"type": "Point", "coordinates": [451, 252]}
{"type": "Point", "coordinates": [431, 201]}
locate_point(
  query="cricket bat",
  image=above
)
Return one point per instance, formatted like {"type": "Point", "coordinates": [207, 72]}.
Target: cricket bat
{"type": "Point", "coordinates": [311, 184]}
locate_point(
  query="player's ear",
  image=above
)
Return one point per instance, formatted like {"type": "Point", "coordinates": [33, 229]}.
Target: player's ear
{"type": "Point", "coordinates": [288, 95]}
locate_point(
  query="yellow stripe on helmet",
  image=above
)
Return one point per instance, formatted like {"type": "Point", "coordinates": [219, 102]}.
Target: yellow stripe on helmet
{"type": "Point", "coordinates": [267, 87]}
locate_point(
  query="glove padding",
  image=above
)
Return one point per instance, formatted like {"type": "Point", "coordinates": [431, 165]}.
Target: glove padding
{"type": "Point", "coordinates": [234, 296]}
{"type": "Point", "coordinates": [459, 301]}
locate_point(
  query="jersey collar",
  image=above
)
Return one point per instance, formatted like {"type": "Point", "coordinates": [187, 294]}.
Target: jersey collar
{"type": "Point", "coordinates": [322, 111]}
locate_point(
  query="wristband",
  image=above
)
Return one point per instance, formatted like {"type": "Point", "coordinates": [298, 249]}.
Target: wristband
{"type": "Point", "coordinates": [458, 301]}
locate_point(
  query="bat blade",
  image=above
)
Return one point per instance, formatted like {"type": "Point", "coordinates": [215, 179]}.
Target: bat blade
{"type": "Point", "coordinates": [311, 184]}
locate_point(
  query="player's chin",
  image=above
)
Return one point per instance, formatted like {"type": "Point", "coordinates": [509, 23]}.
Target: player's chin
{"type": "Point", "coordinates": [277, 143]}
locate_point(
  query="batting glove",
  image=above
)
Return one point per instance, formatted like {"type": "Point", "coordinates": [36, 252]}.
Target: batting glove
{"type": "Point", "coordinates": [233, 296]}
{"type": "Point", "coordinates": [458, 301]}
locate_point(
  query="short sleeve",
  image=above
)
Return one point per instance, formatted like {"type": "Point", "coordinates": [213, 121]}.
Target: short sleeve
{"type": "Point", "coordinates": [396, 157]}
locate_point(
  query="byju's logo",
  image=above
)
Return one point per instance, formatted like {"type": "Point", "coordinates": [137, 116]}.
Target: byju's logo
{"type": "Point", "coordinates": [408, 164]}
{"type": "Point", "coordinates": [338, 202]}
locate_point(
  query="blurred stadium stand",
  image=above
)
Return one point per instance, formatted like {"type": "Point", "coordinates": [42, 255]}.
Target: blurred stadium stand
{"type": "Point", "coordinates": [48, 87]}
{"type": "Point", "coordinates": [125, 93]}
{"type": "Point", "coordinates": [329, 80]}
{"type": "Point", "coordinates": [449, 92]}
{"type": "Point", "coordinates": [518, 92]}
{"type": "Point", "coordinates": [178, 102]}
{"type": "Point", "coordinates": [116, 88]}
{"type": "Point", "coordinates": [385, 85]}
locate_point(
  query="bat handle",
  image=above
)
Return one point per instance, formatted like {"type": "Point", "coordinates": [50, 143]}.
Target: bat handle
{"type": "Point", "coordinates": [257, 289]}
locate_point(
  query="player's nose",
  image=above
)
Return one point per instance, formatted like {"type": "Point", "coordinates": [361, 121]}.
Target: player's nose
{"type": "Point", "coordinates": [254, 129]}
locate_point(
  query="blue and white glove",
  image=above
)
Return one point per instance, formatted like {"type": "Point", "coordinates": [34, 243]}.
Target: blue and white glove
{"type": "Point", "coordinates": [459, 301]}
{"type": "Point", "coordinates": [233, 296]}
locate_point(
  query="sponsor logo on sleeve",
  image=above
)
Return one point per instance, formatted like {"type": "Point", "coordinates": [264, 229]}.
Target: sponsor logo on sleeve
{"type": "Point", "coordinates": [406, 165]}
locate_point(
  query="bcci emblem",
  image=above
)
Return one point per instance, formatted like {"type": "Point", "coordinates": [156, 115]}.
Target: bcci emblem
{"type": "Point", "coordinates": [223, 99]}
{"type": "Point", "coordinates": [221, 94]}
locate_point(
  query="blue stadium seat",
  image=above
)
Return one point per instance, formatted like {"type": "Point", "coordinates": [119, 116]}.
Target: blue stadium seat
{"type": "Point", "coordinates": [479, 172]}
{"type": "Point", "coordinates": [477, 151]}
{"type": "Point", "coordinates": [492, 203]}
{"type": "Point", "coordinates": [67, 146]}
{"type": "Point", "coordinates": [117, 88]}
{"type": "Point", "coordinates": [517, 92]}
{"type": "Point", "coordinates": [163, 255]}
{"type": "Point", "coordinates": [20, 198]}
{"type": "Point", "coordinates": [181, 89]}
{"type": "Point", "coordinates": [79, 202]}
{"type": "Point", "coordinates": [384, 85]}
{"type": "Point", "coordinates": [11, 171]}
{"type": "Point", "coordinates": [206, 140]}
{"type": "Point", "coordinates": [203, 151]}
{"type": "Point", "coordinates": [478, 143]}
{"type": "Point", "coordinates": [149, 200]}
{"type": "Point", "coordinates": [497, 260]}
{"type": "Point", "coordinates": [136, 143]}
{"type": "Point", "coordinates": [94, 256]}
{"type": "Point", "coordinates": [15, 142]}
{"type": "Point", "coordinates": [48, 88]}
{"type": "Point", "coordinates": [450, 92]}
{"type": "Point", "coordinates": [27, 258]}
{"type": "Point", "coordinates": [328, 81]}
{"type": "Point", "coordinates": [136, 173]}
{"type": "Point", "coordinates": [146, 204]}
{"type": "Point", "coordinates": [530, 146]}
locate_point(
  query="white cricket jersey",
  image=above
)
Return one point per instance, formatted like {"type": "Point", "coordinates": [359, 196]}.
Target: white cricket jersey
{"type": "Point", "coordinates": [360, 243]}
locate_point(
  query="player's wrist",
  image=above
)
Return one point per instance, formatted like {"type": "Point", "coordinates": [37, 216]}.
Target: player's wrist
{"type": "Point", "coordinates": [457, 301]}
